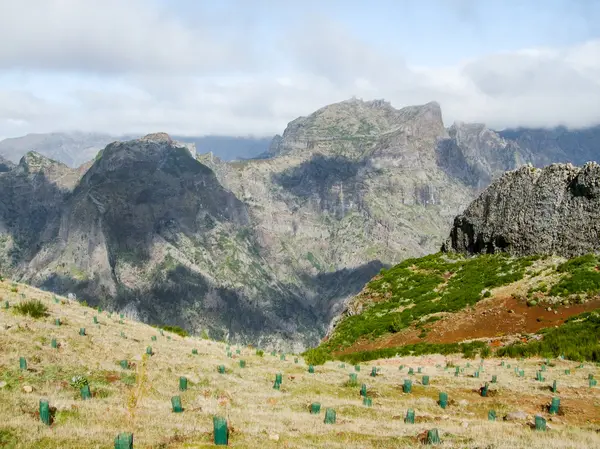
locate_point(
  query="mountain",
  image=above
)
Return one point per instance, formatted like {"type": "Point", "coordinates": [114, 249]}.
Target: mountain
{"type": "Point", "coordinates": [555, 210]}
{"type": "Point", "coordinates": [261, 250]}
{"type": "Point", "coordinates": [560, 144]}
{"type": "Point", "coordinates": [72, 149]}
{"type": "Point", "coordinates": [76, 148]}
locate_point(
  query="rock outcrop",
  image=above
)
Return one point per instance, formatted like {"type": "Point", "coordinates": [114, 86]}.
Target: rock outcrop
{"type": "Point", "coordinates": [555, 210]}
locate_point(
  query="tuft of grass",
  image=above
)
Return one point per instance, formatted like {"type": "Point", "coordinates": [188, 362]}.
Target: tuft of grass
{"type": "Point", "coordinates": [34, 308]}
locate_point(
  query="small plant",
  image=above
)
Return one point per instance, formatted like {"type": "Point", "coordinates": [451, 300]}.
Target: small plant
{"type": "Point", "coordinates": [260, 352]}
{"type": "Point", "coordinates": [79, 382]}
{"type": "Point", "coordinates": [14, 289]}
{"type": "Point", "coordinates": [34, 308]}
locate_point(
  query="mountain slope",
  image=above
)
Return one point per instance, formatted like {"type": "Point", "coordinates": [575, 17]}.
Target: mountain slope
{"type": "Point", "coordinates": [136, 397]}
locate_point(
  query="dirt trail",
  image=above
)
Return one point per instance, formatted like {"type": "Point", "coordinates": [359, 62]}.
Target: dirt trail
{"type": "Point", "coordinates": [491, 318]}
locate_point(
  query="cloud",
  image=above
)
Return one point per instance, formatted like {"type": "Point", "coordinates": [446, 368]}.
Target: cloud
{"type": "Point", "coordinates": [134, 67]}
{"type": "Point", "coordinates": [113, 36]}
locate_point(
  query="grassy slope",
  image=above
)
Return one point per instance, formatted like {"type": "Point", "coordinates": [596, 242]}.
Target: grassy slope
{"type": "Point", "coordinates": [418, 292]}
{"type": "Point", "coordinates": [138, 400]}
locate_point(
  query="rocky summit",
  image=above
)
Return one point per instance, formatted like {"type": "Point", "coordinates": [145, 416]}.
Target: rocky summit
{"type": "Point", "coordinates": [265, 250]}
{"type": "Point", "coordinates": [555, 210]}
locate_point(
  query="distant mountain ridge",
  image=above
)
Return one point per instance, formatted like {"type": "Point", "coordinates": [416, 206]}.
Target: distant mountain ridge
{"type": "Point", "coordinates": [76, 148]}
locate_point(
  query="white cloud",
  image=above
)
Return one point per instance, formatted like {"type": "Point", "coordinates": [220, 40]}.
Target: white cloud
{"type": "Point", "coordinates": [130, 67]}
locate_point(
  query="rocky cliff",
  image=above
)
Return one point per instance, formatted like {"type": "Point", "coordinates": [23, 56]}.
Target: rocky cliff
{"type": "Point", "coordinates": [555, 210]}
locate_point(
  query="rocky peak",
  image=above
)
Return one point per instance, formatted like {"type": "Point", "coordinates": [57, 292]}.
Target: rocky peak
{"type": "Point", "coordinates": [157, 137]}
{"type": "Point", "coordinates": [554, 210]}
{"type": "Point", "coordinates": [5, 165]}
{"type": "Point", "coordinates": [34, 162]}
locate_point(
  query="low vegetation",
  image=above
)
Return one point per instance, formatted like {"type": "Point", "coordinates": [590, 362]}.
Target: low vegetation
{"type": "Point", "coordinates": [34, 308]}
{"type": "Point", "coordinates": [176, 330]}
{"type": "Point", "coordinates": [577, 339]}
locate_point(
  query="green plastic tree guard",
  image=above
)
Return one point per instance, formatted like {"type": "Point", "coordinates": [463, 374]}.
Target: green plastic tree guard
{"type": "Point", "coordinates": [6, 305]}
{"type": "Point", "coordinates": [123, 335]}
{"type": "Point", "coordinates": [522, 373]}
{"type": "Point", "coordinates": [540, 423]}
{"type": "Point", "coordinates": [484, 390]}
{"type": "Point", "coordinates": [342, 365]}
{"type": "Point", "coordinates": [468, 365]}
{"type": "Point", "coordinates": [476, 374]}
{"type": "Point", "coordinates": [121, 315]}
{"type": "Point", "coordinates": [401, 367]}
{"type": "Point", "coordinates": [494, 379]}
{"type": "Point", "coordinates": [315, 408]}
{"type": "Point", "coordinates": [237, 351]}
{"type": "Point", "coordinates": [593, 382]}
{"type": "Point", "coordinates": [85, 392]}
{"type": "Point", "coordinates": [311, 369]}
{"type": "Point", "coordinates": [221, 432]}
{"type": "Point", "coordinates": [221, 369]}
{"type": "Point", "coordinates": [295, 359]}
{"type": "Point", "coordinates": [82, 331]}
{"type": "Point", "coordinates": [367, 401]}
{"type": "Point", "coordinates": [363, 390]}
{"type": "Point", "coordinates": [153, 338]}
{"type": "Point", "coordinates": [124, 364]}
{"type": "Point", "coordinates": [543, 368]}
{"type": "Point", "coordinates": [53, 343]}
{"type": "Point", "coordinates": [329, 416]}
{"type": "Point", "coordinates": [149, 350]}
{"type": "Point", "coordinates": [124, 441]}
{"type": "Point", "coordinates": [353, 379]}
{"type": "Point", "coordinates": [373, 372]}
{"type": "Point", "coordinates": [273, 353]}
{"type": "Point", "coordinates": [411, 371]}
{"type": "Point", "coordinates": [425, 380]}
{"type": "Point", "coordinates": [279, 377]}
{"type": "Point", "coordinates": [443, 399]}
{"type": "Point", "coordinates": [44, 412]}
{"type": "Point", "coordinates": [176, 404]}
{"type": "Point", "coordinates": [590, 376]}
{"type": "Point", "coordinates": [554, 406]}
{"type": "Point", "coordinates": [502, 363]}
{"type": "Point", "coordinates": [457, 371]}
{"type": "Point", "coordinates": [57, 322]}
{"type": "Point", "coordinates": [407, 387]}
{"type": "Point", "coordinates": [357, 368]}
{"type": "Point", "coordinates": [183, 383]}
{"type": "Point", "coordinates": [492, 415]}
{"type": "Point", "coordinates": [22, 363]}
{"type": "Point", "coordinates": [277, 386]}
{"type": "Point", "coordinates": [410, 416]}
{"type": "Point", "coordinates": [554, 386]}
{"type": "Point", "coordinates": [99, 309]}
{"type": "Point", "coordinates": [508, 366]}
{"type": "Point", "coordinates": [433, 436]}
{"type": "Point", "coordinates": [419, 370]}
{"type": "Point", "coordinates": [282, 357]}
{"type": "Point", "coordinates": [95, 320]}
{"type": "Point", "coordinates": [194, 351]}
{"type": "Point", "coordinates": [567, 372]}
{"type": "Point", "coordinates": [242, 364]}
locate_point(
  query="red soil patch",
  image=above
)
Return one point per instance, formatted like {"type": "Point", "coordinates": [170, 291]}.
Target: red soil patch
{"type": "Point", "coordinates": [490, 318]}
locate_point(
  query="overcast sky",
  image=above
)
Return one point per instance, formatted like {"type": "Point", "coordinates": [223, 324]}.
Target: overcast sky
{"type": "Point", "coordinates": [237, 67]}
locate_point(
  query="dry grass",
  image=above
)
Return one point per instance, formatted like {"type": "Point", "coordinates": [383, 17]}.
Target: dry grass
{"type": "Point", "coordinates": [256, 412]}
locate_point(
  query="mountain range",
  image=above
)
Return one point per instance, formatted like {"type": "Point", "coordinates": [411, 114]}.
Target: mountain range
{"type": "Point", "coordinates": [76, 148]}
{"type": "Point", "coordinates": [265, 250]}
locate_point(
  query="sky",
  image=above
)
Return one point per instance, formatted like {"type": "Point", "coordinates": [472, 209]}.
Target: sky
{"type": "Point", "coordinates": [248, 67]}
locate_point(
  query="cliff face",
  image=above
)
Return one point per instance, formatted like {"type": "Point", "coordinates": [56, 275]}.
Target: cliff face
{"type": "Point", "coordinates": [555, 210]}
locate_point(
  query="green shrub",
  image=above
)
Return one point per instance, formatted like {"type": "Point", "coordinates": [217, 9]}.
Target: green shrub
{"type": "Point", "coordinates": [34, 308]}
{"type": "Point", "coordinates": [577, 339]}
{"type": "Point", "coordinates": [176, 330]}
{"type": "Point", "coordinates": [79, 382]}
{"type": "Point", "coordinates": [581, 275]}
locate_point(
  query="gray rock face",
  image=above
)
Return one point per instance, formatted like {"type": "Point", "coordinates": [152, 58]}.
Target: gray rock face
{"type": "Point", "coordinates": [555, 210]}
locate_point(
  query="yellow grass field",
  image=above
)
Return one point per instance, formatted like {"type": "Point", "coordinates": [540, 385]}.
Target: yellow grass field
{"type": "Point", "coordinates": [138, 400]}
